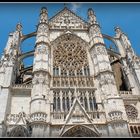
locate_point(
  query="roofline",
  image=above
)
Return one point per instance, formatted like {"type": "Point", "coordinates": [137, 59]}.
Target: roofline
{"type": "Point", "coordinates": [70, 11]}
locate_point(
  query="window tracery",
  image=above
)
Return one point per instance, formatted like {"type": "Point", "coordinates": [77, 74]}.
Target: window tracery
{"type": "Point", "coordinates": [71, 69]}
{"type": "Point", "coordinates": [70, 62]}
{"type": "Point", "coordinates": [71, 58]}
{"type": "Point", "coordinates": [131, 112]}
{"type": "Point", "coordinates": [63, 102]}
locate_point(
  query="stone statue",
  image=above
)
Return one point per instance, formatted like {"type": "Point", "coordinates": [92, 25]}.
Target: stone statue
{"type": "Point", "coordinates": [43, 15]}
{"type": "Point", "coordinates": [92, 17]}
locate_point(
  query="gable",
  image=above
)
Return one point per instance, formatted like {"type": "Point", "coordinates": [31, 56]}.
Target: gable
{"type": "Point", "coordinates": [66, 19]}
{"type": "Point", "coordinates": [77, 114]}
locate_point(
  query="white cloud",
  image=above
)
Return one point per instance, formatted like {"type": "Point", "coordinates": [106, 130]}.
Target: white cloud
{"type": "Point", "coordinates": [75, 6]}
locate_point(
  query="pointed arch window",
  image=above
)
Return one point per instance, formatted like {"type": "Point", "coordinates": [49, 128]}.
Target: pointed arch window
{"type": "Point", "coordinates": [94, 103]}
{"type": "Point", "coordinates": [90, 104]}
{"type": "Point", "coordinates": [67, 100]}
{"type": "Point", "coordinates": [81, 100]}
{"type": "Point", "coordinates": [72, 99]}
{"type": "Point", "coordinates": [86, 104]}
{"type": "Point", "coordinates": [63, 104]}
{"type": "Point", "coordinates": [58, 104]}
{"type": "Point", "coordinates": [54, 103]}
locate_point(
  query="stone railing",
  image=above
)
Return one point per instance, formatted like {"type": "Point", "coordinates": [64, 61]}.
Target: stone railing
{"type": "Point", "coordinates": [21, 86]}
{"type": "Point", "coordinates": [58, 116]}
{"type": "Point", "coordinates": [81, 81]}
{"type": "Point", "coordinates": [38, 116]}
{"type": "Point", "coordinates": [97, 117]}
{"type": "Point", "coordinates": [125, 92]}
{"type": "Point", "coordinates": [12, 118]}
{"type": "Point", "coordinates": [134, 121]}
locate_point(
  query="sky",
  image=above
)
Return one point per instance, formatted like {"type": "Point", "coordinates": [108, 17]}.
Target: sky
{"type": "Point", "coordinates": [109, 15]}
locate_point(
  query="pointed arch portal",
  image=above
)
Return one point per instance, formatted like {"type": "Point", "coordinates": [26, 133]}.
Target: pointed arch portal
{"type": "Point", "coordinates": [19, 131]}
{"type": "Point", "coordinates": [80, 131]}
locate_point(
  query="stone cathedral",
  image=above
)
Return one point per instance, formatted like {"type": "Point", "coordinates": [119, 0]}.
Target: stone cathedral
{"type": "Point", "coordinates": [77, 86]}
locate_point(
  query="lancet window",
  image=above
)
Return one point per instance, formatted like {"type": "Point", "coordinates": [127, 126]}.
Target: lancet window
{"type": "Point", "coordinates": [63, 100]}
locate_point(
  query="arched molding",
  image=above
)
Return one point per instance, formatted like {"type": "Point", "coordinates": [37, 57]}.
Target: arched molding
{"type": "Point", "coordinates": [80, 131]}
{"type": "Point", "coordinates": [19, 131]}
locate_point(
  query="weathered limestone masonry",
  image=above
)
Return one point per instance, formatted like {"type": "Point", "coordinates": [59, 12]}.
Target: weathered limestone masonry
{"type": "Point", "coordinates": [79, 85]}
{"type": "Point", "coordinates": [8, 72]}
{"type": "Point", "coordinates": [40, 103]}
{"type": "Point", "coordinates": [112, 102]}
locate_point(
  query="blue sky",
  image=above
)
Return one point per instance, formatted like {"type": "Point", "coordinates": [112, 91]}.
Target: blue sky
{"type": "Point", "coordinates": [109, 15]}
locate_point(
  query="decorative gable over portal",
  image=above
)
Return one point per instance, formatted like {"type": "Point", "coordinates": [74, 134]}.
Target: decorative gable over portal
{"type": "Point", "coordinates": [66, 19]}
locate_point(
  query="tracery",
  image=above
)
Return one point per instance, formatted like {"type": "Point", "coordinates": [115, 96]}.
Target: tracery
{"type": "Point", "coordinates": [70, 62]}
{"type": "Point", "coordinates": [131, 112]}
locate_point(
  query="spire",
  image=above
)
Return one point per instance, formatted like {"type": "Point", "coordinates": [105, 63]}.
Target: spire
{"type": "Point", "coordinates": [43, 15]}
{"type": "Point", "coordinates": [92, 16]}
{"type": "Point", "coordinates": [65, 5]}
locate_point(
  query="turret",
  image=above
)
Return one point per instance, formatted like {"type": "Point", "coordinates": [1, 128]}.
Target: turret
{"type": "Point", "coordinates": [7, 71]}
{"type": "Point", "coordinates": [104, 78]}
{"type": "Point", "coordinates": [131, 63]}
{"type": "Point", "coordinates": [40, 105]}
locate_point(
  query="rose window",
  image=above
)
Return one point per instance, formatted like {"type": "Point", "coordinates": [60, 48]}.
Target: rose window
{"type": "Point", "coordinates": [70, 57]}
{"type": "Point", "coordinates": [131, 112]}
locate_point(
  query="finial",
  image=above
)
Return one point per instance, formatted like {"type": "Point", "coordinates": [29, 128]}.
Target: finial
{"type": "Point", "coordinates": [118, 31]}
{"type": "Point", "coordinates": [91, 12]}
{"type": "Point", "coordinates": [43, 10]}
{"type": "Point", "coordinates": [19, 27]}
{"type": "Point", "coordinates": [65, 5]}
{"type": "Point", "coordinates": [92, 16]}
{"type": "Point", "coordinates": [43, 15]}
{"type": "Point", "coordinates": [117, 28]}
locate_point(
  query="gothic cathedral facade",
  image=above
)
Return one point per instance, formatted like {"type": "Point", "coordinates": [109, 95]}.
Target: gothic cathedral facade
{"type": "Point", "coordinates": [76, 86]}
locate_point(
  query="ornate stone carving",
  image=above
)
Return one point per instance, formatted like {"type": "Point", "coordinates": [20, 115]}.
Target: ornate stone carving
{"type": "Point", "coordinates": [70, 56]}
{"type": "Point", "coordinates": [80, 131]}
{"type": "Point", "coordinates": [92, 17]}
{"type": "Point", "coordinates": [40, 78]}
{"type": "Point", "coordinates": [100, 50]}
{"type": "Point", "coordinates": [43, 15]}
{"type": "Point", "coordinates": [42, 29]}
{"type": "Point", "coordinates": [115, 115]}
{"type": "Point", "coordinates": [107, 79]}
{"type": "Point", "coordinates": [42, 49]}
{"type": "Point", "coordinates": [38, 117]}
{"type": "Point", "coordinates": [67, 19]}
{"type": "Point", "coordinates": [131, 112]}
